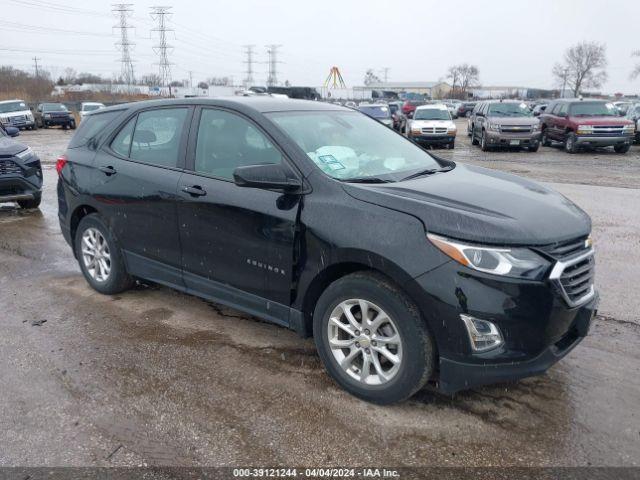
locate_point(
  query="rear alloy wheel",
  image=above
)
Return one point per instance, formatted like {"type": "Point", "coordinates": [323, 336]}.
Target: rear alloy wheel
{"type": "Point", "coordinates": [371, 339]}
{"type": "Point", "coordinates": [570, 143]}
{"type": "Point", "coordinates": [99, 257]}
{"type": "Point", "coordinates": [622, 148]}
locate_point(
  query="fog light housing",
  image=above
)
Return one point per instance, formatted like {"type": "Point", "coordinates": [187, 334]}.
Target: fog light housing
{"type": "Point", "coordinates": [483, 335]}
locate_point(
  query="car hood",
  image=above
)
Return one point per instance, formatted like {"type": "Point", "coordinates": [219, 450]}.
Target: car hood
{"type": "Point", "coordinates": [613, 121]}
{"type": "Point", "coordinates": [482, 205]}
{"type": "Point", "coordinates": [8, 146]}
{"type": "Point", "coordinates": [515, 120]}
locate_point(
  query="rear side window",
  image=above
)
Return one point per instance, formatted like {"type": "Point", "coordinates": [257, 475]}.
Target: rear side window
{"type": "Point", "coordinates": [91, 127]}
{"type": "Point", "coordinates": [152, 137]}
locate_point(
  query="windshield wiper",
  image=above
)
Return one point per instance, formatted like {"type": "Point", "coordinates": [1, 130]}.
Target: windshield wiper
{"type": "Point", "coordinates": [429, 171]}
{"type": "Point", "coordinates": [365, 180]}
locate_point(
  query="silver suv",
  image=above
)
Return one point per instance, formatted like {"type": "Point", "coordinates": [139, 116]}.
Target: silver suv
{"type": "Point", "coordinates": [504, 123]}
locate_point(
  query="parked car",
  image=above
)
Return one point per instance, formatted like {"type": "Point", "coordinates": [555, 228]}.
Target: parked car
{"type": "Point", "coordinates": [586, 123]}
{"type": "Point", "coordinates": [465, 108]}
{"type": "Point", "coordinates": [319, 219]}
{"type": "Point", "coordinates": [633, 114]}
{"type": "Point", "coordinates": [351, 104]}
{"type": "Point", "coordinates": [379, 111]}
{"type": "Point", "coordinates": [453, 109]}
{"type": "Point", "coordinates": [622, 107]}
{"type": "Point", "coordinates": [20, 171]}
{"type": "Point", "coordinates": [16, 113]}
{"type": "Point", "coordinates": [399, 118]}
{"type": "Point", "coordinates": [539, 109]}
{"type": "Point", "coordinates": [52, 114]}
{"type": "Point", "coordinates": [409, 106]}
{"type": "Point", "coordinates": [86, 107]}
{"type": "Point", "coordinates": [432, 125]}
{"type": "Point", "coordinates": [504, 123]}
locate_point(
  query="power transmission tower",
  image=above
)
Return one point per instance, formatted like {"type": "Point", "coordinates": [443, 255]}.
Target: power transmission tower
{"type": "Point", "coordinates": [122, 11]}
{"type": "Point", "coordinates": [35, 63]}
{"type": "Point", "coordinates": [160, 15]}
{"type": "Point", "coordinates": [272, 77]}
{"type": "Point", "coordinates": [385, 74]}
{"type": "Point", "coordinates": [248, 49]}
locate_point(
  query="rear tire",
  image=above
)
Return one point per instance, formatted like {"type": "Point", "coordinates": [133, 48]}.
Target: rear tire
{"type": "Point", "coordinates": [393, 325]}
{"type": "Point", "coordinates": [622, 148]}
{"type": "Point", "coordinates": [100, 259]}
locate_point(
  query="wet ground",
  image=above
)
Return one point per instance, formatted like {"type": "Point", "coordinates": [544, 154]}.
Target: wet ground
{"type": "Point", "coordinates": [156, 377]}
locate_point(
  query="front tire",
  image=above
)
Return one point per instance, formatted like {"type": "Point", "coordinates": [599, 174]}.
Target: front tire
{"type": "Point", "coordinates": [100, 257]}
{"type": "Point", "coordinates": [622, 148]}
{"type": "Point", "coordinates": [30, 204]}
{"type": "Point", "coordinates": [483, 142]}
{"type": "Point", "coordinates": [372, 340]}
{"type": "Point", "coordinates": [534, 147]}
{"type": "Point", "coordinates": [570, 143]}
{"type": "Point", "coordinates": [545, 139]}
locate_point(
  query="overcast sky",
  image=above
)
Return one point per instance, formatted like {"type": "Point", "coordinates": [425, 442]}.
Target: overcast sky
{"type": "Point", "coordinates": [514, 43]}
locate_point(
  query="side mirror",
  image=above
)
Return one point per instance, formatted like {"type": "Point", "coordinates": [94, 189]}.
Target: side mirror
{"type": "Point", "coordinates": [536, 113]}
{"type": "Point", "coordinates": [267, 177]}
{"type": "Point", "coordinates": [410, 115]}
{"type": "Point", "coordinates": [12, 131]}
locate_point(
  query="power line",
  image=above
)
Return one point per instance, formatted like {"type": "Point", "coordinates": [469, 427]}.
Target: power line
{"type": "Point", "coordinates": [249, 61]}
{"type": "Point", "coordinates": [160, 14]}
{"type": "Point", "coordinates": [123, 11]}
{"type": "Point", "coordinates": [272, 77]}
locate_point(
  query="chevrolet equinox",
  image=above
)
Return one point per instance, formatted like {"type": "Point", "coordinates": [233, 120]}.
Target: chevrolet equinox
{"type": "Point", "coordinates": [404, 267]}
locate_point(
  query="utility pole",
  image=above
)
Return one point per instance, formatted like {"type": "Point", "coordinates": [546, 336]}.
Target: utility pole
{"type": "Point", "coordinates": [272, 77]}
{"type": "Point", "coordinates": [564, 81]}
{"type": "Point", "coordinates": [122, 11]}
{"type": "Point", "coordinates": [35, 63]}
{"type": "Point", "coordinates": [191, 79]}
{"type": "Point", "coordinates": [248, 50]}
{"type": "Point", "coordinates": [385, 74]}
{"type": "Point", "coordinates": [160, 14]}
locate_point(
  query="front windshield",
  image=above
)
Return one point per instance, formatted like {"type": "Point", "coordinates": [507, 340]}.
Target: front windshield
{"type": "Point", "coordinates": [376, 111]}
{"type": "Point", "coordinates": [347, 145]}
{"type": "Point", "coordinates": [593, 109]}
{"type": "Point", "coordinates": [53, 107]}
{"type": "Point", "coordinates": [13, 107]}
{"type": "Point", "coordinates": [509, 110]}
{"type": "Point", "coordinates": [432, 114]}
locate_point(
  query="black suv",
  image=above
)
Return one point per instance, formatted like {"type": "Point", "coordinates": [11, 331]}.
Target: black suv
{"type": "Point", "coordinates": [54, 114]}
{"type": "Point", "coordinates": [403, 266]}
{"type": "Point", "coordinates": [20, 171]}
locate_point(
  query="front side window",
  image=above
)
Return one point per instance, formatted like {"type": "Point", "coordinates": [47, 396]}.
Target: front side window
{"type": "Point", "coordinates": [432, 114]}
{"type": "Point", "coordinates": [156, 138]}
{"type": "Point", "coordinates": [562, 111]}
{"type": "Point", "coordinates": [509, 110]}
{"type": "Point", "coordinates": [347, 145]}
{"type": "Point", "coordinates": [122, 142]}
{"type": "Point", "coordinates": [227, 141]}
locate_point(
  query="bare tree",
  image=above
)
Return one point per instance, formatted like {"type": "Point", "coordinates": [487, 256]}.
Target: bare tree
{"type": "Point", "coordinates": [151, 80]}
{"type": "Point", "coordinates": [70, 75]}
{"type": "Point", "coordinates": [453, 74]}
{"type": "Point", "coordinates": [636, 69]}
{"type": "Point", "coordinates": [469, 77]}
{"type": "Point", "coordinates": [583, 67]}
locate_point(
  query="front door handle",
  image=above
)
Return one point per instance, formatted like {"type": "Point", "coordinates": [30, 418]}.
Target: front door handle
{"type": "Point", "coordinates": [108, 170]}
{"type": "Point", "coordinates": [194, 191]}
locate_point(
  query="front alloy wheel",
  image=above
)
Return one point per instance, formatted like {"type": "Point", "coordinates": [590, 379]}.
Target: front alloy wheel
{"type": "Point", "coordinates": [365, 342]}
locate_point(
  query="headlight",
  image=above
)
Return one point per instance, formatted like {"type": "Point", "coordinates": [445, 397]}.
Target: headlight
{"type": "Point", "coordinates": [536, 127]}
{"type": "Point", "coordinates": [585, 128]}
{"type": "Point", "coordinates": [494, 126]}
{"type": "Point", "coordinates": [452, 129]}
{"type": "Point", "coordinates": [629, 128]}
{"type": "Point", "coordinates": [23, 155]}
{"type": "Point", "coordinates": [509, 262]}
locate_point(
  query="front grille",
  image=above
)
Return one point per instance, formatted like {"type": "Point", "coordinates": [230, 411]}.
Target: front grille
{"type": "Point", "coordinates": [607, 130]}
{"type": "Point", "coordinates": [18, 119]}
{"type": "Point", "coordinates": [515, 128]}
{"type": "Point", "coordinates": [574, 271]}
{"type": "Point", "coordinates": [9, 167]}
{"type": "Point", "coordinates": [434, 130]}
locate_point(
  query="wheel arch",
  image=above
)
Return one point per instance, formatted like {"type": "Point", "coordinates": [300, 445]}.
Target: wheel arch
{"type": "Point", "coordinates": [78, 214]}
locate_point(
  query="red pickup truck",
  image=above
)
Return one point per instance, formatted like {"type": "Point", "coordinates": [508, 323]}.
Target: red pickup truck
{"type": "Point", "coordinates": [586, 123]}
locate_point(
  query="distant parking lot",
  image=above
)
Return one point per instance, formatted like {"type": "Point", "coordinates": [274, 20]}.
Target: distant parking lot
{"type": "Point", "coordinates": [156, 377]}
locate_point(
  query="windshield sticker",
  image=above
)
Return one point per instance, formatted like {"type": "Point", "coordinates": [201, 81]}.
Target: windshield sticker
{"type": "Point", "coordinates": [331, 162]}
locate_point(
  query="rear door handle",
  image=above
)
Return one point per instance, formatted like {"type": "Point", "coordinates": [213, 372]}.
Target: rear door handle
{"type": "Point", "coordinates": [108, 170]}
{"type": "Point", "coordinates": [194, 191]}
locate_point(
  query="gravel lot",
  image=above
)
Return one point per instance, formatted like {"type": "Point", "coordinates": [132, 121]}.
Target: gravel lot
{"type": "Point", "coordinates": [156, 377]}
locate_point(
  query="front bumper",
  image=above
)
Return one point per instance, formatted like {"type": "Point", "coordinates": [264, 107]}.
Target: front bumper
{"type": "Point", "coordinates": [433, 139]}
{"type": "Point", "coordinates": [27, 123]}
{"type": "Point", "coordinates": [501, 139]}
{"type": "Point", "coordinates": [536, 323]}
{"type": "Point", "coordinates": [598, 141]}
